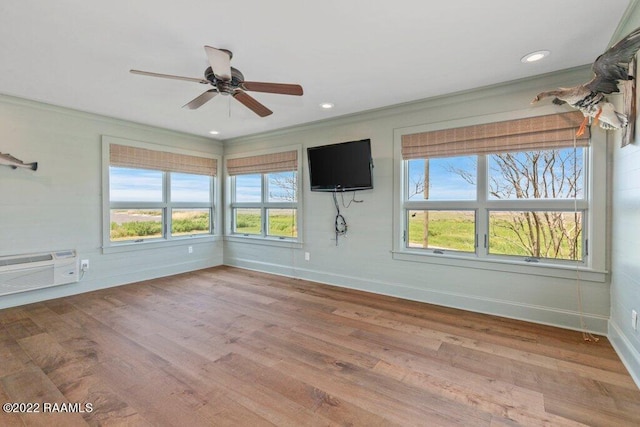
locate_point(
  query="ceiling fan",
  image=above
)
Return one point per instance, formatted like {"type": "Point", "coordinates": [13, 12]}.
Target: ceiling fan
{"type": "Point", "coordinates": [227, 80]}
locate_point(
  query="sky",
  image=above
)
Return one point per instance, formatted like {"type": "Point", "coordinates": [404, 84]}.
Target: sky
{"type": "Point", "coordinates": [130, 185]}
{"type": "Point", "coordinates": [249, 187]}
{"type": "Point", "coordinates": [444, 185]}
{"type": "Point", "coordinates": [140, 185]}
{"type": "Point", "coordinates": [447, 184]}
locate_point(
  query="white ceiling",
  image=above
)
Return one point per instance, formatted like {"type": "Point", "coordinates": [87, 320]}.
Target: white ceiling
{"type": "Point", "coordinates": [358, 54]}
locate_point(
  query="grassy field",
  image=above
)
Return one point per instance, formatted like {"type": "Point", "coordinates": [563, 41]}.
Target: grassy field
{"type": "Point", "coordinates": [282, 222]}
{"type": "Point", "coordinates": [504, 240]}
{"type": "Point", "coordinates": [454, 230]}
{"type": "Point", "coordinates": [447, 230]}
{"type": "Point", "coordinates": [189, 222]}
{"type": "Point", "coordinates": [139, 224]}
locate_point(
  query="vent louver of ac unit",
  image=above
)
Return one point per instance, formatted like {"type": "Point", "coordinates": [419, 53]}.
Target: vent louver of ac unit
{"type": "Point", "coordinates": [25, 259]}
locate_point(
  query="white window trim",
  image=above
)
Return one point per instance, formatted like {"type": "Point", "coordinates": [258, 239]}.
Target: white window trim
{"type": "Point", "coordinates": [594, 267]}
{"type": "Point", "coordinates": [264, 239]}
{"type": "Point", "coordinates": [114, 247]}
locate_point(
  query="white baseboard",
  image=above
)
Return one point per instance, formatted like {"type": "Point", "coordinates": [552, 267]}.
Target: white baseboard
{"type": "Point", "coordinates": [628, 354]}
{"type": "Point", "coordinates": [531, 313]}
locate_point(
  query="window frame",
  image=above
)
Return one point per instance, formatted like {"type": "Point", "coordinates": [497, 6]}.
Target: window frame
{"type": "Point", "coordinates": [483, 206]}
{"type": "Point", "coordinates": [592, 268]}
{"type": "Point", "coordinates": [264, 205]}
{"type": "Point", "coordinates": [166, 205]}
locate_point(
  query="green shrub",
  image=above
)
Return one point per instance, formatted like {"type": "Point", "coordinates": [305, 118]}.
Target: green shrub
{"type": "Point", "coordinates": [133, 229]}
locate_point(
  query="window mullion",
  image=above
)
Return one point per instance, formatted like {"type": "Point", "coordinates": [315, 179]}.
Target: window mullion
{"type": "Point", "coordinates": [263, 208]}
{"type": "Point", "coordinates": [441, 204]}
{"type": "Point", "coordinates": [136, 205]}
{"type": "Point", "coordinates": [168, 206]}
{"type": "Point", "coordinates": [482, 212]}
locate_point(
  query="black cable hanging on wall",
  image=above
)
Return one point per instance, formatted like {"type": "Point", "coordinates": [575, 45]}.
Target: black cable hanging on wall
{"type": "Point", "coordinates": [340, 222]}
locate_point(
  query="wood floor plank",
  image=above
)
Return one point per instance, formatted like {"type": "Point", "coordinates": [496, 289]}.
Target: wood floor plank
{"type": "Point", "coordinates": [33, 386]}
{"type": "Point", "coordinates": [399, 409]}
{"type": "Point", "coordinates": [229, 396]}
{"type": "Point", "coordinates": [311, 398]}
{"type": "Point", "coordinates": [231, 347]}
{"type": "Point", "coordinates": [13, 358]}
{"type": "Point", "coordinates": [588, 415]}
{"type": "Point", "coordinates": [9, 419]}
{"type": "Point", "coordinates": [377, 317]}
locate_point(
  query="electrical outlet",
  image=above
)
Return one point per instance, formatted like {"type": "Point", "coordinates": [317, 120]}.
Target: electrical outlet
{"type": "Point", "coordinates": [190, 249]}
{"type": "Point", "coordinates": [307, 256]}
{"type": "Point", "coordinates": [634, 320]}
{"type": "Point", "coordinates": [84, 265]}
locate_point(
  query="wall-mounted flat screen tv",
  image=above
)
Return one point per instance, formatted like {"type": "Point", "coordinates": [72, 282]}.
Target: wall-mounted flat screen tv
{"type": "Point", "coordinates": [346, 166]}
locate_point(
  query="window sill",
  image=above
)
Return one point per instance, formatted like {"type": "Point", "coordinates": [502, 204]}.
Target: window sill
{"type": "Point", "coordinates": [510, 266]}
{"type": "Point", "coordinates": [159, 243]}
{"type": "Point", "coordinates": [266, 241]}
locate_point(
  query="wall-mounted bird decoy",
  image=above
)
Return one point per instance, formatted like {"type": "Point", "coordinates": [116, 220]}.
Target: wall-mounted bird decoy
{"type": "Point", "coordinates": [590, 98]}
{"type": "Point", "coordinates": [8, 160]}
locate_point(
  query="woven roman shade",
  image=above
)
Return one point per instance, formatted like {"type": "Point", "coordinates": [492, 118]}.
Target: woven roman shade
{"type": "Point", "coordinates": [529, 134]}
{"type": "Point", "coordinates": [142, 158]}
{"type": "Point", "coordinates": [266, 163]}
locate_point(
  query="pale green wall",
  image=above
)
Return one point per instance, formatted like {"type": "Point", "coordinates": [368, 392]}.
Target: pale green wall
{"type": "Point", "coordinates": [625, 237]}
{"type": "Point", "coordinates": [59, 206]}
{"type": "Point", "coordinates": [363, 259]}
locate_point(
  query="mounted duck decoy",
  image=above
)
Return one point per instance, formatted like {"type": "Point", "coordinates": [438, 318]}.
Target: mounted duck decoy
{"type": "Point", "coordinates": [590, 98]}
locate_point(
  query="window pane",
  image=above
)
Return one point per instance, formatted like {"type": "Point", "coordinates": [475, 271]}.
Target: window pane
{"type": "Point", "coordinates": [282, 222]}
{"type": "Point", "coordinates": [446, 230]}
{"type": "Point", "coordinates": [247, 221]}
{"type": "Point", "coordinates": [135, 185]}
{"type": "Point", "coordinates": [282, 186]}
{"type": "Point", "coordinates": [248, 188]}
{"type": "Point", "coordinates": [549, 174]}
{"type": "Point", "coordinates": [190, 188]}
{"type": "Point", "coordinates": [186, 222]}
{"type": "Point", "coordinates": [556, 235]}
{"type": "Point", "coordinates": [135, 224]}
{"type": "Point", "coordinates": [448, 178]}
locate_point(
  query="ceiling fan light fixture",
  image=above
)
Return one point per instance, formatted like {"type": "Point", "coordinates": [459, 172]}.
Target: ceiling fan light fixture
{"type": "Point", "coordinates": [326, 105]}
{"type": "Point", "coordinates": [535, 56]}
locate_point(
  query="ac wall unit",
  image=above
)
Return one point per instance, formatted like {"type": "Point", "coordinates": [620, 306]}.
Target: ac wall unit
{"type": "Point", "coordinates": [20, 273]}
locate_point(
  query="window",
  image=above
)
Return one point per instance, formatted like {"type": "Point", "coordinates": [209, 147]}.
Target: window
{"type": "Point", "coordinates": [264, 195]}
{"type": "Point", "coordinates": [527, 204]}
{"type": "Point", "coordinates": [481, 193]}
{"type": "Point", "coordinates": [157, 196]}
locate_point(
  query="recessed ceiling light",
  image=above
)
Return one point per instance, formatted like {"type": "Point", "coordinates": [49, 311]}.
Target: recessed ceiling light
{"type": "Point", "coordinates": [326, 105]}
{"type": "Point", "coordinates": [535, 56]}
{"type": "Point", "coordinates": [214, 132]}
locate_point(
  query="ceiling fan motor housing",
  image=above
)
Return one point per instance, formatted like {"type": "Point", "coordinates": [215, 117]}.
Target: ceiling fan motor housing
{"type": "Point", "coordinates": [223, 86]}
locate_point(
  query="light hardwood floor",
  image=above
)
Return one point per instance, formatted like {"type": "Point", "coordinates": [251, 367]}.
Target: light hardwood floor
{"type": "Point", "coordinates": [226, 346]}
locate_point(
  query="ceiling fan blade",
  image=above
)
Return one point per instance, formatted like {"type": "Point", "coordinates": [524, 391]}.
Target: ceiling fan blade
{"type": "Point", "coordinates": [281, 88]}
{"type": "Point", "coordinates": [251, 103]}
{"type": "Point", "coordinates": [200, 100]}
{"type": "Point", "coordinates": [220, 62]}
{"type": "Point", "coordinates": [169, 76]}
